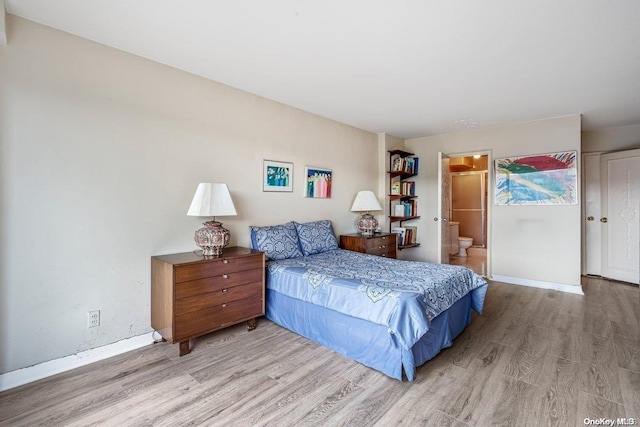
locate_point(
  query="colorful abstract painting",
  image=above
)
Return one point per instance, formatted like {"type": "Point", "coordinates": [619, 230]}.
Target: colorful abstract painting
{"type": "Point", "coordinates": [277, 176]}
{"type": "Point", "coordinates": [545, 179]}
{"type": "Point", "coordinates": [318, 182]}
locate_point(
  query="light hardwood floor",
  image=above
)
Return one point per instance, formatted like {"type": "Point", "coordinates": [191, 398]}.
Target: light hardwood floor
{"type": "Point", "coordinates": [534, 357]}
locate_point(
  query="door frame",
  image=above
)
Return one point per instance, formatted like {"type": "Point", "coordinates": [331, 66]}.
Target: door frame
{"type": "Point", "coordinates": [490, 195]}
{"type": "Point", "coordinates": [592, 237]}
{"type": "Point", "coordinates": [444, 236]}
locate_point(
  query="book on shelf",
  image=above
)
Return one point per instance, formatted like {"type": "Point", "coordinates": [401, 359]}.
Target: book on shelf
{"type": "Point", "coordinates": [397, 164]}
{"type": "Point", "coordinates": [396, 188]}
{"type": "Point", "coordinates": [408, 165]}
{"type": "Point", "coordinates": [399, 210]}
{"type": "Point", "coordinates": [410, 235]}
{"type": "Point", "coordinates": [410, 208]}
{"type": "Point", "coordinates": [400, 231]}
{"type": "Point", "coordinates": [405, 164]}
{"type": "Point", "coordinates": [408, 188]}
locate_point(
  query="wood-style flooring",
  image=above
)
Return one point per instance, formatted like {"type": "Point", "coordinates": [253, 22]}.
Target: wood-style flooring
{"type": "Point", "coordinates": [534, 357]}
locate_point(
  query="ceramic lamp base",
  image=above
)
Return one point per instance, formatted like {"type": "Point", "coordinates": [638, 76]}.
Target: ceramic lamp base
{"type": "Point", "coordinates": [367, 224]}
{"type": "Point", "coordinates": [212, 238]}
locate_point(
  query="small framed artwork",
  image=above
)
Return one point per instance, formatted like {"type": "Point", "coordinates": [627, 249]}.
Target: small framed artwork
{"type": "Point", "coordinates": [318, 182]}
{"type": "Point", "coordinates": [277, 176]}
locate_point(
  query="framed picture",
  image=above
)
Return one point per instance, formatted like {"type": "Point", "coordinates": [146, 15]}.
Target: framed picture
{"type": "Point", "coordinates": [544, 179]}
{"type": "Point", "coordinates": [318, 182]}
{"type": "Point", "coordinates": [277, 176]}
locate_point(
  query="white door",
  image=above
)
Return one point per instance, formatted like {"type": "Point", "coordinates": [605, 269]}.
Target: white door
{"type": "Point", "coordinates": [620, 220]}
{"type": "Point", "coordinates": [444, 204]}
{"type": "Point", "coordinates": [591, 220]}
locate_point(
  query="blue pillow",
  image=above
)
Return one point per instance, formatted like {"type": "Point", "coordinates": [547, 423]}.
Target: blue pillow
{"type": "Point", "coordinates": [276, 241]}
{"type": "Point", "coordinates": [316, 237]}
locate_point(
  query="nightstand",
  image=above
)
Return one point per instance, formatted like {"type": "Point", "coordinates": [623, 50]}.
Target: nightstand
{"type": "Point", "coordinates": [381, 244]}
{"type": "Point", "coordinates": [192, 295]}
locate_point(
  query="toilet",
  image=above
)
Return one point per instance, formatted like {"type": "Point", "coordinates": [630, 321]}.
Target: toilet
{"type": "Point", "coordinates": [464, 243]}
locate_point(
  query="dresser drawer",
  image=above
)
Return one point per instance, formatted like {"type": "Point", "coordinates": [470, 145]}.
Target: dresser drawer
{"type": "Point", "coordinates": [217, 283]}
{"type": "Point", "coordinates": [379, 243]}
{"type": "Point", "coordinates": [188, 272]}
{"type": "Point", "coordinates": [386, 251]}
{"type": "Point", "coordinates": [210, 319]}
{"type": "Point", "coordinates": [218, 297]}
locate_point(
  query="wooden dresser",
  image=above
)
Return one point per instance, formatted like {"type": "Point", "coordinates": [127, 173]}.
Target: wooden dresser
{"type": "Point", "coordinates": [192, 295]}
{"type": "Point", "coordinates": [381, 244]}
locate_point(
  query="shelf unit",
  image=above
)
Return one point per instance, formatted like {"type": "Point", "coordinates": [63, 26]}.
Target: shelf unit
{"type": "Point", "coordinates": [403, 166]}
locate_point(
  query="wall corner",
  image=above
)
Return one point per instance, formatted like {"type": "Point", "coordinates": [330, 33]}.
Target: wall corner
{"type": "Point", "coordinates": [3, 24]}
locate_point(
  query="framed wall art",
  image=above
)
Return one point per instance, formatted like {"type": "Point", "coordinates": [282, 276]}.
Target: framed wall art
{"type": "Point", "coordinates": [318, 182]}
{"type": "Point", "coordinates": [277, 176]}
{"type": "Point", "coordinates": [544, 179]}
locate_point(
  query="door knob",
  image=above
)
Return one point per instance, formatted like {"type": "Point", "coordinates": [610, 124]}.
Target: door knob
{"type": "Point", "coordinates": [604, 220]}
{"type": "Point", "coordinates": [590, 218]}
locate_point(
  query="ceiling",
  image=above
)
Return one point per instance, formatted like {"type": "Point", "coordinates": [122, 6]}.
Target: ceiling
{"type": "Point", "coordinates": [406, 68]}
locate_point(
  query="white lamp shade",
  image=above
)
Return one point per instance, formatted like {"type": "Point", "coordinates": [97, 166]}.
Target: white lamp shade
{"type": "Point", "coordinates": [366, 201]}
{"type": "Point", "coordinates": [212, 200]}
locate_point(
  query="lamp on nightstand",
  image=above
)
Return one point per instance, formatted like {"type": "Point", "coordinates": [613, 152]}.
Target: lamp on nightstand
{"type": "Point", "coordinates": [212, 200]}
{"type": "Point", "coordinates": [366, 201]}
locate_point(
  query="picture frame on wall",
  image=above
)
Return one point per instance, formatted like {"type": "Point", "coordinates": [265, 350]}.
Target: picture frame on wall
{"type": "Point", "coordinates": [543, 179]}
{"type": "Point", "coordinates": [318, 182]}
{"type": "Point", "coordinates": [277, 176]}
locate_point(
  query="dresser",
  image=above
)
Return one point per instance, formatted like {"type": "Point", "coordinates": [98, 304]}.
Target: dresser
{"type": "Point", "coordinates": [381, 244]}
{"type": "Point", "coordinates": [193, 295]}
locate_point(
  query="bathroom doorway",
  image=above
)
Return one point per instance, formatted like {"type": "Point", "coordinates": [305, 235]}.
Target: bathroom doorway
{"type": "Point", "coordinates": [468, 211]}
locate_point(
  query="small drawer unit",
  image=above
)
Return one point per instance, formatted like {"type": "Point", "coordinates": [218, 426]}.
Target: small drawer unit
{"type": "Point", "coordinates": [193, 295]}
{"type": "Point", "coordinates": [381, 244]}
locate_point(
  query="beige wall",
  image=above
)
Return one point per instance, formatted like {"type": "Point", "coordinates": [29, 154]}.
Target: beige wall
{"type": "Point", "coordinates": [611, 139]}
{"type": "Point", "coordinates": [3, 32]}
{"type": "Point", "coordinates": [385, 143]}
{"type": "Point", "coordinates": [101, 152]}
{"type": "Point", "coordinates": [532, 243]}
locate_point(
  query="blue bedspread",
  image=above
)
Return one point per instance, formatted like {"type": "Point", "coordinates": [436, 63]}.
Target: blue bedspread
{"type": "Point", "coordinates": [401, 295]}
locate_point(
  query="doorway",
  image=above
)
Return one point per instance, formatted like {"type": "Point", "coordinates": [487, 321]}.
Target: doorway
{"type": "Point", "coordinates": [467, 210]}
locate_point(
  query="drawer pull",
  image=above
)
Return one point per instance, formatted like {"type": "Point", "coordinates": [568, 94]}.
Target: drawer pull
{"type": "Point", "coordinates": [224, 305]}
{"type": "Point", "coordinates": [225, 261]}
{"type": "Point", "coordinates": [225, 276]}
{"type": "Point", "coordinates": [383, 238]}
{"type": "Point", "coordinates": [383, 246]}
{"type": "Point", "coordinates": [383, 255]}
{"type": "Point", "coordinates": [225, 290]}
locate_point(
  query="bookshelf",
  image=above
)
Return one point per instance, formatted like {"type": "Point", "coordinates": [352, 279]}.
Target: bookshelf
{"type": "Point", "coordinates": [403, 203]}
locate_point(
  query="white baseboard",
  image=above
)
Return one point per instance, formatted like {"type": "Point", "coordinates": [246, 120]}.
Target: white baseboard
{"type": "Point", "coordinates": [46, 369]}
{"type": "Point", "coordinates": [538, 284]}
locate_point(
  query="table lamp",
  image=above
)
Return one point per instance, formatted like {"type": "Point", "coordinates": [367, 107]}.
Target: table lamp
{"type": "Point", "coordinates": [212, 200]}
{"type": "Point", "coordinates": [366, 201]}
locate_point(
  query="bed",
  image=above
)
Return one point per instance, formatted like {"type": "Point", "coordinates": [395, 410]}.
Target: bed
{"type": "Point", "coordinates": [390, 315]}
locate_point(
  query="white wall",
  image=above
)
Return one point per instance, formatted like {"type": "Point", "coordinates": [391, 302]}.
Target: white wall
{"type": "Point", "coordinates": [611, 139]}
{"type": "Point", "coordinates": [101, 152]}
{"type": "Point", "coordinates": [534, 243]}
{"type": "Point", "coordinates": [3, 26]}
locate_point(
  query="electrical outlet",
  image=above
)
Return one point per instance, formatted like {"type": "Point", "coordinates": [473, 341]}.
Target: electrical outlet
{"type": "Point", "coordinates": [93, 319]}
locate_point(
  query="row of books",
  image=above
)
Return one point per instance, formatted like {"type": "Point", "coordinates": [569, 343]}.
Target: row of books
{"type": "Point", "coordinates": [405, 164]}
{"type": "Point", "coordinates": [406, 235]}
{"type": "Point", "coordinates": [404, 188]}
{"type": "Point", "coordinates": [406, 208]}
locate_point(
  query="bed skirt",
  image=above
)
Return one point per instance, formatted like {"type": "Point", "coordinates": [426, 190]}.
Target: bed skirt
{"type": "Point", "coordinates": [366, 342]}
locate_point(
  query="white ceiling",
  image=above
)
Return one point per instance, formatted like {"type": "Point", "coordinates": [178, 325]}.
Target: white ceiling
{"type": "Point", "coordinates": [407, 68]}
